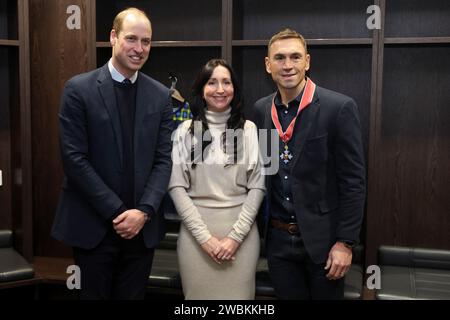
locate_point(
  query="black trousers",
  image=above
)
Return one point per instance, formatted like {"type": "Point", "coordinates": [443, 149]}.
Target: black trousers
{"type": "Point", "coordinates": [294, 274]}
{"type": "Point", "coordinates": [116, 269]}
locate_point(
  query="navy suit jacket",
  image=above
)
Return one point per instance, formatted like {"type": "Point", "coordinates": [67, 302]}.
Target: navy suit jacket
{"type": "Point", "coordinates": [327, 171]}
{"type": "Point", "coordinates": [91, 151]}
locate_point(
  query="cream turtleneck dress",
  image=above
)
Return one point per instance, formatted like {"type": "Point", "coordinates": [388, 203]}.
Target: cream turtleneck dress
{"type": "Point", "coordinates": [220, 200]}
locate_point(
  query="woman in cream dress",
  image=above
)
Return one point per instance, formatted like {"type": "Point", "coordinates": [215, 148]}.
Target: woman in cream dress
{"type": "Point", "coordinates": [217, 188]}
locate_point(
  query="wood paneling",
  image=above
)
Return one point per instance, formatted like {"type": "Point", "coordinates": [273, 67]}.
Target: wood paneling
{"type": "Point", "coordinates": [248, 63]}
{"type": "Point", "coordinates": [16, 169]}
{"type": "Point", "coordinates": [410, 197]}
{"type": "Point", "coordinates": [171, 19]}
{"type": "Point", "coordinates": [417, 18]}
{"type": "Point", "coordinates": [313, 19]}
{"type": "Point", "coordinates": [7, 64]}
{"type": "Point", "coordinates": [374, 136]}
{"type": "Point", "coordinates": [15, 130]}
{"type": "Point", "coordinates": [8, 19]}
{"type": "Point", "coordinates": [24, 145]}
{"type": "Point", "coordinates": [57, 54]}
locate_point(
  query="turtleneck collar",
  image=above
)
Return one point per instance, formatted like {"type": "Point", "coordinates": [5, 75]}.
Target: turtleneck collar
{"type": "Point", "coordinates": [217, 117]}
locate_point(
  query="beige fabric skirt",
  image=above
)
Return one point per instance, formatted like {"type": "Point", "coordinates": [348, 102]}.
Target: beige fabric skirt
{"type": "Point", "coordinates": [204, 279]}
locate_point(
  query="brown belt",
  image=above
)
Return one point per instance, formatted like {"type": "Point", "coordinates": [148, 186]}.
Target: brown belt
{"type": "Point", "coordinates": [292, 228]}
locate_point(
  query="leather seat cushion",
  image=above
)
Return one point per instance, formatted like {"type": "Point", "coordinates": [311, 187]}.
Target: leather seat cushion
{"type": "Point", "coordinates": [13, 266]}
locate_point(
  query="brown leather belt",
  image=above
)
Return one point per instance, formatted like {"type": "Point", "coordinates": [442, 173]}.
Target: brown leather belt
{"type": "Point", "coordinates": [292, 228]}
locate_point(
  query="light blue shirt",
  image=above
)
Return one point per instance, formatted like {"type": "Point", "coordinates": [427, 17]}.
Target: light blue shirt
{"type": "Point", "coordinates": [117, 76]}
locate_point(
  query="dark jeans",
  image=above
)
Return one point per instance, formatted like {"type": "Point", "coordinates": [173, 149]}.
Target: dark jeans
{"type": "Point", "coordinates": [294, 274]}
{"type": "Point", "coordinates": [115, 269]}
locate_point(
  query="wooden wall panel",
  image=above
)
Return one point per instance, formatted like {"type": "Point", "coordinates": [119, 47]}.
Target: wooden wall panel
{"type": "Point", "coordinates": [313, 19]}
{"type": "Point", "coordinates": [57, 54]}
{"type": "Point", "coordinates": [8, 19]}
{"type": "Point", "coordinates": [5, 138]}
{"type": "Point", "coordinates": [15, 146]}
{"type": "Point", "coordinates": [171, 19]}
{"type": "Point", "coordinates": [417, 18]}
{"type": "Point", "coordinates": [411, 198]}
{"type": "Point", "coordinates": [16, 175]}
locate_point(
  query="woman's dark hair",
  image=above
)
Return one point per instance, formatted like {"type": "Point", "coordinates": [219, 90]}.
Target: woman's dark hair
{"type": "Point", "coordinates": [198, 107]}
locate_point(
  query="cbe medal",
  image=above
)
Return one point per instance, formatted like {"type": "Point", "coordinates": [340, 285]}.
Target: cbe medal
{"type": "Point", "coordinates": [307, 96]}
{"type": "Point", "coordinates": [286, 155]}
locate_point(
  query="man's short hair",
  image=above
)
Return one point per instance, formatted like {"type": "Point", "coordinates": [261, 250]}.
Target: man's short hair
{"type": "Point", "coordinates": [287, 34]}
{"type": "Point", "coordinates": [118, 20]}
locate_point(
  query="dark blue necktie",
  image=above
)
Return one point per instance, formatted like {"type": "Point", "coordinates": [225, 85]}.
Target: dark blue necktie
{"type": "Point", "coordinates": [126, 81]}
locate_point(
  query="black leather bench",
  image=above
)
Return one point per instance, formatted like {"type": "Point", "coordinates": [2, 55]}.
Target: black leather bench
{"type": "Point", "coordinates": [165, 274]}
{"type": "Point", "coordinates": [413, 273]}
{"type": "Point", "coordinates": [13, 267]}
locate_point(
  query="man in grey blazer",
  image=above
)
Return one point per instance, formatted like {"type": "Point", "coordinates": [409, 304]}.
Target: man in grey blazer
{"type": "Point", "coordinates": [316, 199]}
{"type": "Point", "coordinates": [115, 130]}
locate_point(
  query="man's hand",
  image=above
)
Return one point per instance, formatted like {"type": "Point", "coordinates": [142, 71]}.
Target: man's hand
{"type": "Point", "coordinates": [129, 223]}
{"type": "Point", "coordinates": [339, 261]}
{"type": "Point", "coordinates": [210, 247]}
{"type": "Point", "coordinates": [227, 249]}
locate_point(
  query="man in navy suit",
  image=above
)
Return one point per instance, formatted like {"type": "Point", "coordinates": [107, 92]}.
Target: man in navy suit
{"type": "Point", "coordinates": [115, 137]}
{"type": "Point", "coordinates": [315, 201]}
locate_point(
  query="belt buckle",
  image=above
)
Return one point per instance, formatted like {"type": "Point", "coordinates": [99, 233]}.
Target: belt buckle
{"type": "Point", "coordinates": [292, 228]}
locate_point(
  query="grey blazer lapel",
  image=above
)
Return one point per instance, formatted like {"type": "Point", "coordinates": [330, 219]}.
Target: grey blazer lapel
{"type": "Point", "coordinates": [106, 88]}
{"type": "Point", "coordinates": [303, 128]}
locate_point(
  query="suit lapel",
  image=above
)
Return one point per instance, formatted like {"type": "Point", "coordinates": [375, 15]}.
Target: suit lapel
{"type": "Point", "coordinates": [106, 88]}
{"type": "Point", "coordinates": [303, 128]}
{"type": "Point", "coordinates": [268, 124]}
